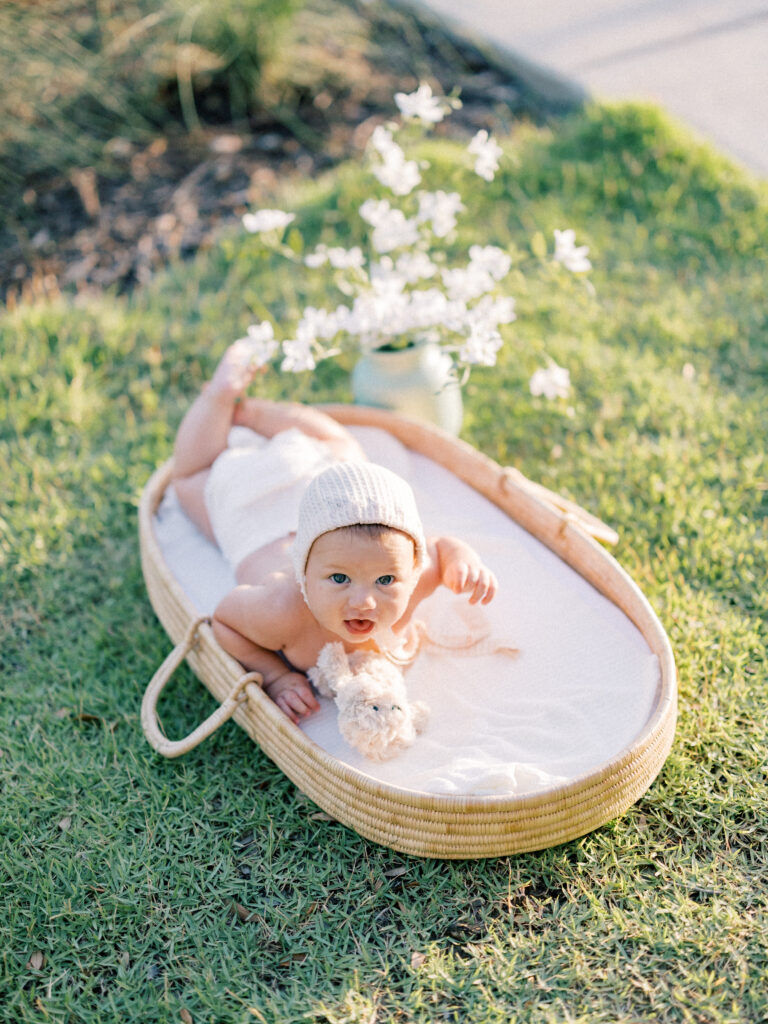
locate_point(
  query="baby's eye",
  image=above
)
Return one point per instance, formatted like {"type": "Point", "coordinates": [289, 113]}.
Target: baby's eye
{"type": "Point", "coordinates": [339, 577]}
{"type": "Point", "coordinates": [386, 581]}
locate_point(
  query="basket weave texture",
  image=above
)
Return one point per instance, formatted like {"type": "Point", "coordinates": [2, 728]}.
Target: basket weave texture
{"type": "Point", "coordinates": [423, 824]}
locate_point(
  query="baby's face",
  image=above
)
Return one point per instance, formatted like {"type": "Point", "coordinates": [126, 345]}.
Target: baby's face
{"type": "Point", "coordinates": [358, 585]}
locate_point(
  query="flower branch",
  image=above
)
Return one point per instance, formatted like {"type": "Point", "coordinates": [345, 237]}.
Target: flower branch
{"type": "Point", "coordinates": [408, 282]}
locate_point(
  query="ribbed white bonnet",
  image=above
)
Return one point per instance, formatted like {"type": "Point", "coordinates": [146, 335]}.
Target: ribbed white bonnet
{"type": "Point", "coordinates": [350, 494]}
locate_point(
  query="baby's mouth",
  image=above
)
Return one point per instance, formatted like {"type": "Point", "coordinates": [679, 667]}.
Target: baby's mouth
{"type": "Point", "coordinates": [359, 627]}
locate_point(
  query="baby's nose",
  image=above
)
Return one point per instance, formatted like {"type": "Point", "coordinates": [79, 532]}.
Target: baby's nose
{"type": "Point", "coordinates": [362, 600]}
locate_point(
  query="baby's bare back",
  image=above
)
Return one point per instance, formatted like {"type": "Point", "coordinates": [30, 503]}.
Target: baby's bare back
{"type": "Point", "coordinates": [273, 558]}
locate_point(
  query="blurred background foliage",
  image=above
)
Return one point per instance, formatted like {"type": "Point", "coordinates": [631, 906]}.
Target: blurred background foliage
{"type": "Point", "coordinates": [78, 77]}
{"type": "Point", "coordinates": [132, 131]}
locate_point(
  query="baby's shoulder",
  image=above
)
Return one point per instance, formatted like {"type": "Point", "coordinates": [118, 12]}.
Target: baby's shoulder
{"type": "Point", "coordinates": [271, 613]}
{"type": "Point", "coordinates": [278, 593]}
{"type": "Point", "coordinates": [283, 594]}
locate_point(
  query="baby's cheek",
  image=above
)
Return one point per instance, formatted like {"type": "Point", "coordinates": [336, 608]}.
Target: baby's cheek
{"type": "Point", "coordinates": [400, 603]}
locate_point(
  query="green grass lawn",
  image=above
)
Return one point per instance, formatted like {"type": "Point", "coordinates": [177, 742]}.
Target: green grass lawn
{"type": "Point", "coordinates": [208, 889]}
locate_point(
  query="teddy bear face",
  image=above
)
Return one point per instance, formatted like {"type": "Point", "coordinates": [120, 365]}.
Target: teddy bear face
{"type": "Point", "coordinates": [378, 734]}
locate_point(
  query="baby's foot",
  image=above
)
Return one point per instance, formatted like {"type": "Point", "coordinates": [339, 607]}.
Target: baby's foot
{"type": "Point", "coordinates": [239, 365]}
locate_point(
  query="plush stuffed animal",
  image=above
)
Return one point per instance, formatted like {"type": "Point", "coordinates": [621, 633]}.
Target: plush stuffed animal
{"type": "Point", "coordinates": [375, 715]}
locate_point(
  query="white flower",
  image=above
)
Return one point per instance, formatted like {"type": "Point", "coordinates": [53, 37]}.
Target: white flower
{"type": "Point", "coordinates": [552, 382]}
{"type": "Point", "coordinates": [298, 356]}
{"type": "Point", "coordinates": [258, 346]}
{"type": "Point", "coordinates": [394, 232]}
{"type": "Point", "coordinates": [346, 259]}
{"type": "Point", "coordinates": [382, 141]}
{"type": "Point", "coordinates": [382, 272]}
{"type": "Point", "coordinates": [490, 259]}
{"type": "Point", "coordinates": [318, 258]}
{"type": "Point", "coordinates": [569, 254]}
{"type": "Point", "coordinates": [403, 284]}
{"type": "Point", "coordinates": [456, 316]}
{"type": "Point", "coordinates": [440, 208]}
{"type": "Point", "coordinates": [481, 347]}
{"type": "Point", "coordinates": [316, 323]}
{"type": "Point", "coordinates": [494, 311]}
{"type": "Point", "coordinates": [375, 211]}
{"type": "Point", "coordinates": [415, 266]}
{"type": "Point", "coordinates": [267, 220]}
{"type": "Point", "coordinates": [487, 152]}
{"type": "Point", "coordinates": [396, 173]}
{"type": "Point", "coordinates": [401, 176]}
{"type": "Point", "coordinates": [377, 312]}
{"type": "Point", "coordinates": [427, 308]}
{"type": "Point", "coordinates": [421, 105]}
{"type": "Point", "coordinates": [338, 257]}
{"type": "Point", "coordinates": [466, 283]}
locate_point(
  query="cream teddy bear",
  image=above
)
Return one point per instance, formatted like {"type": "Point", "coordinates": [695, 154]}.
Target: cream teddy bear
{"type": "Point", "coordinates": [375, 715]}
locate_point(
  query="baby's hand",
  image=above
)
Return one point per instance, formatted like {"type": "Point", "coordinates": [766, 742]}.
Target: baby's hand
{"type": "Point", "coordinates": [293, 695]}
{"type": "Point", "coordinates": [463, 572]}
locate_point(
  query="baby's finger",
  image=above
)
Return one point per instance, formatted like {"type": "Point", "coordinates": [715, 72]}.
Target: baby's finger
{"type": "Point", "coordinates": [474, 582]}
{"type": "Point", "coordinates": [477, 589]}
{"type": "Point", "coordinates": [285, 707]}
{"type": "Point", "coordinates": [303, 703]}
{"type": "Point", "coordinates": [493, 586]}
{"type": "Point", "coordinates": [295, 705]}
{"type": "Point", "coordinates": [310, 702]}
{"type": "Point", "coordinates": [484, 588]}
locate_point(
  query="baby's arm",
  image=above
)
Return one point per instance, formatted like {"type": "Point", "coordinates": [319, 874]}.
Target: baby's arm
{"type": "Point", "coordinates": [247, 615]}
{"type": "Point", "coordinates": [457, 566]}
{"type": "Point", "coordinates": [462, 570]}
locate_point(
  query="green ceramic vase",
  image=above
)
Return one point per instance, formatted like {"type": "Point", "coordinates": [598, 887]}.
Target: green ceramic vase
{"type": "Point", "coordinates": [415, 381]}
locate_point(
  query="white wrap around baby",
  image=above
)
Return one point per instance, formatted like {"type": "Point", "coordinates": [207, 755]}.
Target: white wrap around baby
{"type": "Point", "coordinates": [255, 487]}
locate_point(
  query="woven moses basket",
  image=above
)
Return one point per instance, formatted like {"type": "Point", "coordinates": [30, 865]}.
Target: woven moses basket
{"type": "Point", "coordinates": [425, 824]}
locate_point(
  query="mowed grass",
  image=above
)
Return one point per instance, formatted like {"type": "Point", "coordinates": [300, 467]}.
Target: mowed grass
{"type": "Point", "coordinates": [208, 889]}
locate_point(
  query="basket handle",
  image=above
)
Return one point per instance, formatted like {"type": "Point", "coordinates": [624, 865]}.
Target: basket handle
{"type": "Point", "coordinates": [149, 723]}
{"type": "Point", "coordinates": [570, 511]}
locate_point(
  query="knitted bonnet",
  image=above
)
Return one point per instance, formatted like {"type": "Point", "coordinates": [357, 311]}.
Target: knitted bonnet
{"type": "Point", "coordinates": [351, 494]}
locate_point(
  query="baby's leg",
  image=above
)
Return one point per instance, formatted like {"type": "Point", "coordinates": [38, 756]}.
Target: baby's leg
{"type": "Point", "coordinates": [204, 430]}
{"type": "Point", "coordinates": [203, 433]}
{"type": "Point", "coordinates": [269, 418]}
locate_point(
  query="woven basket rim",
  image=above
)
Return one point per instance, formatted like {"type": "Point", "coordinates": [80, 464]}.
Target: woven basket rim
{"type": "Point", "coordinates": [576, 790]}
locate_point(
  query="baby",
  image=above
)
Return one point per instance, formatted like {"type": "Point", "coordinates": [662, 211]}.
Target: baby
{"type": "Point", "coordinates": [341, 551]}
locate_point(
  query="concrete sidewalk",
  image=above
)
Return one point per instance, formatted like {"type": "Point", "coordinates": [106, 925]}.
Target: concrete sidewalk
{"type": "Point", "coordinates": [705, 61]}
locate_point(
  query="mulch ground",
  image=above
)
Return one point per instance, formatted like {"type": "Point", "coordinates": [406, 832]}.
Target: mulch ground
{"type": "Point", "coordinates": [83, 231]}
